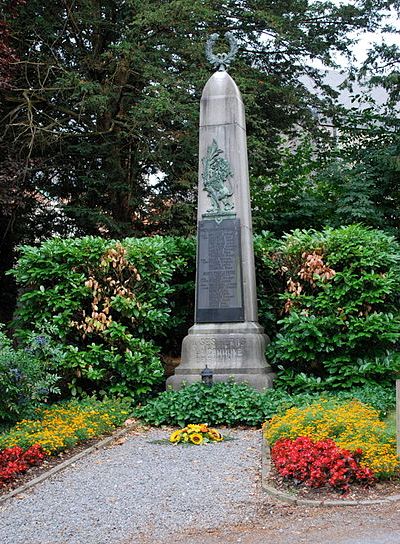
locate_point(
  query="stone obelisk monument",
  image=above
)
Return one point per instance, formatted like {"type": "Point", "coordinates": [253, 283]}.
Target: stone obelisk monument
{"type": "Point", "coordinates": [226, 335]}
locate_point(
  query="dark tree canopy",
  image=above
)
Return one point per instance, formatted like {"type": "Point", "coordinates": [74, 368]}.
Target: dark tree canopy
{"type": "Point", "coordinates": [108, 94]}
{"type": "Point", "coordinates": [100, 110]}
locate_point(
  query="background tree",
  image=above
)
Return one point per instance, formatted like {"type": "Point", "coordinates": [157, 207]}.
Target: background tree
{"type": "Point", "coordinates": [11, 166]}
{"type": "Point", "coordinates": [356, 180]}
{"type": "Point", "coordinates": [100, 120]}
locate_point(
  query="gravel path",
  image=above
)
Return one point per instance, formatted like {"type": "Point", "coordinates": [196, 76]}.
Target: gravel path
{"type": "Point", "coordinates": [140, 492]}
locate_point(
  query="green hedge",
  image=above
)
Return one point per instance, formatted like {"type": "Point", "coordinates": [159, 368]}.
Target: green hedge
{"type": "Point", "coordinates": [101, 304]}
{"type": "Point", "coordinates": [339, 320]}
{"type": "Point", "coordinates": [328, 300]}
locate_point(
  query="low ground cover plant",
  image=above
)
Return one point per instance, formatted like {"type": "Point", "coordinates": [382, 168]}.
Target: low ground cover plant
{"type": "Point", "coordinates": [229, 403]}
{"type": "Point", "coordinates": [380, 397]}
{"type": "Point", "coordinates": [223, 403]}
{"type": "Point", "coordinates": [353, 426]}
{"type": "Point", "coordinates": [66, 424]}
{"type": "Point", "coordinates": [15, 461]}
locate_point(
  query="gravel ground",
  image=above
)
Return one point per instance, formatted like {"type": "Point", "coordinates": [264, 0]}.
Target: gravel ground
{"type": "Point", "coordinates": [140, 492]}
{"type": "Point", "coordinates": [284, 524]}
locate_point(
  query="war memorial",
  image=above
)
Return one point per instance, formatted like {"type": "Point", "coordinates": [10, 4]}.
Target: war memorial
{"type": "Point", "coordinates": [226, 336]}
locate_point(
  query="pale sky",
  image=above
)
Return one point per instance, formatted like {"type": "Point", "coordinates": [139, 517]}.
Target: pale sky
{"type": "Point", "coordinates": [369, 38]}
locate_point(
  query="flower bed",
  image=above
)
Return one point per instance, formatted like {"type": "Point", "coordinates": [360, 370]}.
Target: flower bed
{"type": "Point", "coordinates": [15, 461]}
{"type": "Point", "coordinates": [319, 463]}
{"type": "Point", "coordinates": [63, 425]}
{"type": "Point", "coordinates": [332, 443]}
{"type": "Point", "coordinates": [56, 429]}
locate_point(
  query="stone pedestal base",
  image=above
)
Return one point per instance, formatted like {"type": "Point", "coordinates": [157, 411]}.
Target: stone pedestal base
{"type": "Point", "coordinates": [231, 350]}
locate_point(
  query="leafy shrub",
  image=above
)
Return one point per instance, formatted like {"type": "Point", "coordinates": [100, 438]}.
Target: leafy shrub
{"type": "Point", "coordinates": [64, 425]}
{"type": "Point", "coordinates": [352, 425]}
{"type": "Point", "coordinates": [25, 381]}
{"type": "Point", "coordinates": [341, 321]}
{"type": "Point", "coordinates": [270, 281]}
{"type": "Point", "coordinates": [15, 461]}
{"type": "Point", "coordinates": [381, 398]}
{"type": "Point", "coordinates": [318, 464]}
{"type": "Point", "coordinates": [223, 403]}
{"type": "Point", "coordinates": [181, 298]}
{"type": "Point", "coordinates": [101, 303]}
{"type": "Point", "coordinates": [329, 301]}
{"type": "Point", "coordinates": [237, 404]}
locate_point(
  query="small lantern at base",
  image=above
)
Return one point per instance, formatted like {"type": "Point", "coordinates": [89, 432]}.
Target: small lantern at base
{"type": "Point", "coordinates": [207, 376]}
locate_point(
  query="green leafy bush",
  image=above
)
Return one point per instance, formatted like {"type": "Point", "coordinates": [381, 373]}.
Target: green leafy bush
{"type": "Point", "coordinates": [328, 300]}
{"type": "Point", "coordinates": [270, 281]}
{"type": "Point", "coordinates": [181, 298]}
{"type": "Point", "coordinates": [223, 403]}
{"type": "Point", "coordinates": [341, 321]}
{"type": "Point", "coordinates": [380, 397]}
{"type": "Point", "coordinates": [228, 403]}
{"type": "Point", "coordinates": [101, 303]}
{"type": "Point", "coordinates": [25, 381]}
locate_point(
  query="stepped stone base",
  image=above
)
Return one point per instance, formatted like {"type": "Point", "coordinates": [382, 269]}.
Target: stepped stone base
{"type": "Point", "coordinates": [231, 350]}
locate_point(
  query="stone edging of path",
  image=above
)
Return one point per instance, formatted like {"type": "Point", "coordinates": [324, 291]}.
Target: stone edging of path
{"type": "Point", "coordinates": [288, 497]}
{"type": "Point", "coordinates": [65, 464]}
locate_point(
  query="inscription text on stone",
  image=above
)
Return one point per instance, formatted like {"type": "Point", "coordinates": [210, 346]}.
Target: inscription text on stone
{"type": "Point", "coordinates": [219, 278]}
{"type": "Point", "coordinates": [211, 350]}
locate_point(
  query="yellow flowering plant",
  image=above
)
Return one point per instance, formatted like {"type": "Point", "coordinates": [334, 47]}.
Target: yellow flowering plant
{"type": "Point", "coordinates": [196, 435]}
{"type": "Point", "coordinates": [64, 425]}
{"type": "Point", "coordinates": [351, 425]}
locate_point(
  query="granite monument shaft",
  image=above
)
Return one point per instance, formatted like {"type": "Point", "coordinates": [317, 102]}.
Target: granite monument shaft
{"type": "Point", "coordinates": [226, 335]}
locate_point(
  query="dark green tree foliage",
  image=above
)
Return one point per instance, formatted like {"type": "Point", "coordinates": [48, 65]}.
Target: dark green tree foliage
{"type": "Point", "coordinates": [340, 321]}
{"type": "Point", "coordinates": [8, 57]}
{"type": "Point", "coordinates": [291, 196]}
{"type": "Point", "coordinates": [370, 139]}
{"type": "Point", "coordinates": [358, 182]}
{"type": "Point", "coordinates": [373, 186]}
{"type": "Point", "coordinates": [108, 94]}
{"type": "Point", "coordinates": [11, 166]}
{"type": "Point", "coordinates": [382, 64]}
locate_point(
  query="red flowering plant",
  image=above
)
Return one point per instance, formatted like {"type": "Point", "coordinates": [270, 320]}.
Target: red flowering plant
{"type": "Point", "coordinates": [318, 464]}
{"type": "Point", "coordinates": [15, 461]}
